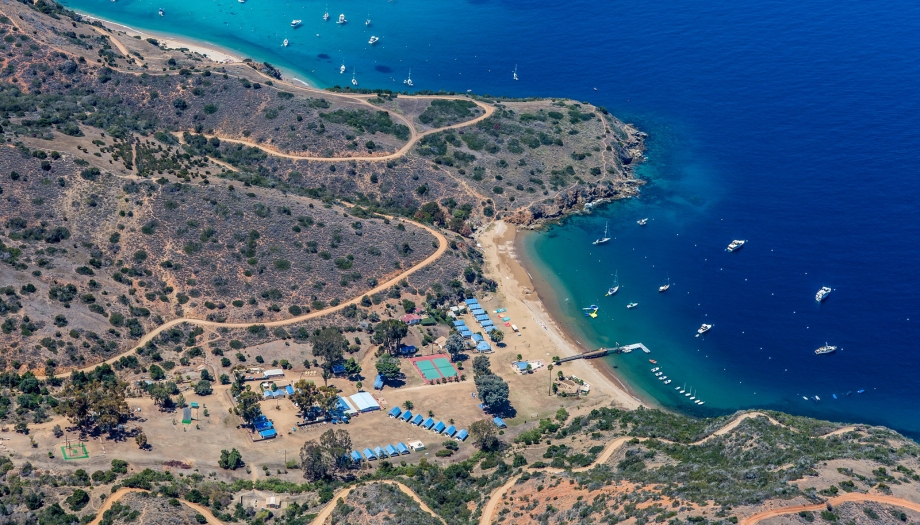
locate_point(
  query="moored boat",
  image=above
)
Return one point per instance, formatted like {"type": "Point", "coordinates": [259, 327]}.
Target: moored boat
{"type": "Point", "coordinates": [373, 40]}
{"type": "Point", "coordinates": [632, 305]}
{"type": "Point", "coordinates": [735, 245]}
{"type": "Point", "coordinates": [296, 23]}
{"type": "Point", "coordinates": [826, 349]}
{"type": "Point", "coordinates": [615, 287]}
{"type": "Point", "coordinates": [603, 239]}
{"type": "Point", "coordinates": [822, 293]}
{"type": "Point", "coordinates": [341, 19]}
{"type": "Point", "coordinates": [643, 222]}
{"type": "Point", "coordinates": [703, 329]}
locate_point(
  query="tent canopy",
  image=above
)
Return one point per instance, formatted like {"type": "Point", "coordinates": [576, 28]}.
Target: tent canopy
{"type": "Point", "coordinates": [364, 402]}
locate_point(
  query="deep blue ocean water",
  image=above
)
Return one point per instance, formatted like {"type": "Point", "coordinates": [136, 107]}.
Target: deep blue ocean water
{"type": "Point", "coordinates": [792, 125]}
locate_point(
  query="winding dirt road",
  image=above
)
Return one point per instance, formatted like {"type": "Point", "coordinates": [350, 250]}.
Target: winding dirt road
{"type": "Point", "coordinates": [327, 510]}
{"type": "Point", "coordinates": [122, 492]}
{"type": "Point", "coordinates": [850, 497]}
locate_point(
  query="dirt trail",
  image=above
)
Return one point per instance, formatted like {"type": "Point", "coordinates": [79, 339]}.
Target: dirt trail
{"type": "Point", "coordinates": [344, 493]}
{"type": "Point", "coordinates": [850, 497]}
{"type": "Point", "coordinates": [120, 493]}
{"type": "Point", "coordinates": [442, 247]}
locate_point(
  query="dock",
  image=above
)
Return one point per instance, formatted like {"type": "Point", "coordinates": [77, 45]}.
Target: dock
{"type": "Point", "coordinates": [601, 352]}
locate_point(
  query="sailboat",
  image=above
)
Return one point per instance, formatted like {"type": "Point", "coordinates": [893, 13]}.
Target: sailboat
{"type": "Point", "coordinates": [690, 393]}
{"type": "Point", "coordinates": [354, 81]}
{"type": "Point", "coordinates": [285, 43]}
{"type": "Point", "coordinates": [684, 389]}
{"type": "Point", "coordinates": [664, 287]}
{"type": "Point", "coordinates": [616, 285]}
{"type": "Point", "coordinates": [326, 14]}
{"type": "Point", "coordinates": [408, 81]}
{"type": "Point", "coordinates": [515, 72]}
{"type": "Point", "coordinates": [603, 239]}
{"type": "Point", "coordinates": [367, 23]}
{"type": "Point", "coordinates": [342, 68]}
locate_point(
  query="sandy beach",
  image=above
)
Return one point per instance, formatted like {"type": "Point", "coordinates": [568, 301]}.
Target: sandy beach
{"type": "Point", "coordinates": [522, 301]}
{"type": "Point", "coordinates": [205, 49]}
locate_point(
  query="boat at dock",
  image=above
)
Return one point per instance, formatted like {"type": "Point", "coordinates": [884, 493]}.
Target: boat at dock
{"type": "Point", "coordinates": [735, 245]}
{"type": "Point", "coordinates": [603, 239]}
{"type": "Point", "coordinates": [615, 287]}
{"type": "Point", "coordinates": [703, 329]}
{"type": "Point", "coordinates": [826, 349]}
{"type": "Point", "coordinates": [822, 293]}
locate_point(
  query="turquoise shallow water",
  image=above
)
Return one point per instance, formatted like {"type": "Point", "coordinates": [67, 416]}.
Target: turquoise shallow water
{"type": "Point", "coordinates": [788, 124]}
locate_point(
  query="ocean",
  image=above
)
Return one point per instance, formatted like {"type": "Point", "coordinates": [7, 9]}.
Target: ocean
{"type": "Point", "coordinates": [790, 125]}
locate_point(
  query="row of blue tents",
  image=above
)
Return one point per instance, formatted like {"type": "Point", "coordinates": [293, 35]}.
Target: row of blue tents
{"type": "Point", "coordinates": [483, 318]}
{"type": "Point", "coordinates": [380, 452]}
{"type": "Point", "coordinates": [264, 427]}
{"type": "Point", "coordinates": [428, 424]}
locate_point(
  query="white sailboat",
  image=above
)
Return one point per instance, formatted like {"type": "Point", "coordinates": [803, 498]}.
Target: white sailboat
{"type": "Point", "coordinates": [616, 284]}
{"type": "Point", "coordinates": [285, 43]}
{"type": "Point", "coordinates": [515, 72]}
{"type": "Point", "coordinates": [342, 68]}
{"type": "Point", "coordinates": [354, 81]}
{"type": "Point", "coordinates": [664, 287]}
{"type": "Point", "coordinates": [603, 239]}
{"type": "Point", "coordinates": [408, 81]}
{"type": "Point", "coordinates": [367, 23]}
{"type": "Point", "coordinates": [326, 14]}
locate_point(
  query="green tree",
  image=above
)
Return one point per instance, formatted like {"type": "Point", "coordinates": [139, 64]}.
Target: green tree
{"type": "Point", "coordinates": [493, 391]}
{"type": "Point", "coordinates": [156, 373]}
{"type": "Point", "coordinates": [484, 434]}
{"type": "Point", "coordinates": [455, 345]}
{"type": "Point", "coordinates": [203, 388]}
{"type": "Point", "coordinates": [481, 365]}
{"type": "Point", "coordinates": [352, 368]}
{"type": "Point", "coordinates": [497, 335]}
{"type": "Point", "coordinates": [248, 406]}
{"type": "Point", "coordinates": [388, 367]}
{"type": "Point", "coordinates": [141, 440]}
{"type": "Point", "coordinates": [230, 459]}
{"type": "Point", "coordinates": [323, 458]}
{"type": "Point", "coordinates": [329, 345]}
{"type": "Point", "coordinates": [390, 333]}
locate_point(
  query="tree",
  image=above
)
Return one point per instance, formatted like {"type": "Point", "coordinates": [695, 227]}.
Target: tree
{"type": "Point", "coordinates": [156, 373]}
{"type": "Point", "coordinates": [408, 405]}
{"type": "Point", "coordinates": [485, 435]}
{"type": "Point", "coordinates": [481, 365]}
{"type": "Point", "coordinates": [93, 404]}
{"type": "Point", "coordinates": [329, 345]}
{"type": "Point", "coordinates": [206, 376]}
{"type": "Point", "coordinates": [314, 462]}
{"type": "Point", "coordinates": [203, 388]}
{"type": "Point", "coordinates": [230, 459]}
{"type": "Point", "coordinates": [352, 368]}
{"type": "Point", "coordinates": [497, 335]}
{"type": "Point", "coordinates": [141, 440]}
{"type": "Point", "coordinates": [390, 333]}
{"type": "Point", "coordinates": [308, 395]}
{"type": "Point", "coordinates": [321, 459]}
{"type": "Point", "coordinates": [492, 390]}
{"type": "Point", "coordinates": [337, 443]}
{"type": "Point", "coordinates": [248, 406]}
{"type": "Point", "coordinates": [388, 367]}
{"type": "Point", "coordinates": [455, 345]}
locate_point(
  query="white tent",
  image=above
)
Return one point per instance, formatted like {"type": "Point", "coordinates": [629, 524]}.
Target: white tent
{"type": "Point", "coordinates": [364, 402]}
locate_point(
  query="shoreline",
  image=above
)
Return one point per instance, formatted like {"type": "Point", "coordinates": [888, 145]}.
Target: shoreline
{"type": "Point", "coordinates": [568, 332]}
{"type": "Point", "coordinates": [217, 54]}
{"type": "Point", "coordinates": [500, 245]}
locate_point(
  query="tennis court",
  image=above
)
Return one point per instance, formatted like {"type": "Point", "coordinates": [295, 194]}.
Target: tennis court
{"type": "Point", "coordinates": [433, 367]}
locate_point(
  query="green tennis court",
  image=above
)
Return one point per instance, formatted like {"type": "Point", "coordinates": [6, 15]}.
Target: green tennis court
{"type": "Point", "coordinates": [444, 366]}
{"type": "Point", "coordinates": [428, 369]}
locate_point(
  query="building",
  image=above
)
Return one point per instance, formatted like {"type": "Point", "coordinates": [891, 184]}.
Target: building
{"type": "Point", "coordinates": [273, 373]}
{"type": "Point", "coordinates": [411, 319]}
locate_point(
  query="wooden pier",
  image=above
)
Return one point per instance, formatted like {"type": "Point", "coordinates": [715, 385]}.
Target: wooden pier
{"type": "Point", "coordinates": [601, 352]}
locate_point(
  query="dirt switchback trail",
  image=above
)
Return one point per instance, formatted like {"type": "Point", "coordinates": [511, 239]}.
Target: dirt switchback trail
{"type": "Point", "coordinates": [850, 497]}
{"type": "Point", "coordinates": [120, 493]}
{"type": "Point", "coordinates": [442, 247]}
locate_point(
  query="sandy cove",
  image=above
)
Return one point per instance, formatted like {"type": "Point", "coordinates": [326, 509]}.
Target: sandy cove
{"type": "Point", "coordinates": [524, 307]}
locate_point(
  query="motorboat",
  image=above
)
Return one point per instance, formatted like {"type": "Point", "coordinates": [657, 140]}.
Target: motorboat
{"type": "Point", "coordinates": [822, 293]}
{"type": "Point", "coordinates": [668, 382]}
{"type": "Point", "coordinates": [367, 23]}
{"type": "Point", "coordinates": [285, 43]}
{"type": "Point", "coordinates": [817, 398]}
{"type": "Point", "coordinates": [373, 40]}
{"type": "Point", "coordinates": [657, 368]}
{"type": "Point", "coordinates": [632, 305]}
{"type": "Point", "coordinates": [162, 12]}
{"type": "Point", "coordinates": [296, 23]}
{"type": "Point", "coordinates": [826, 349]}
{"type": "Point", "coordinates": [664, 287]}
{"type": "Point", "coordinates": [735, 245]}
{"type": "Point", "coordinates": [642, 222]}
{"type": "Point", "coordinates": [341, 19]}
{"type": "Point", "coordinates": [703, 329]}
{"type": "Point", "coordinates": [354, 81]}
{"type": "Point", "coordinates": [603, 239]}
{"type": "Point", "coordinates": [515, 72]}
{"type": "Point", "coordinates": [326, 14]}
{"type": "Point", "coordinates": [342, 67]}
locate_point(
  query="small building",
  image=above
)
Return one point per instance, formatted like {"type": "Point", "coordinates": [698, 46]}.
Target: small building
{"type": "Point", "coordinates": [407, 416]}
{"type": "Point", "coordinates": [478, 337]}
{"type": "Point", "coordinates": [402, 448]}
{"type": "Point", "coordinates": [369, 454]}
{"type": "Point", "coordinates": [439, 427]}
{"type": "Point", "coordinates": [391, 451]}
{"type": "Point", "coordinates": [466, 333]}
{"type": "Point", "coordinates": [364, 402]}
{"type": "Point", "coordinates": [345, 407]}
{"type": "Point", "coordinates": [268, 433]}
{"type": "Point", "coordinates": [441, 342]}
{"type": "Point", "coordinates": [380, 452]}
{"type": "Point", "coordinates": [483, 347]}
{"type": "Point", "coordinates": [462, 435]}
{"type": "Point", "coordinates": [478, 311]}
{"type": "Point", "coordinates": [411, 319]}
{"type": "Point", "coordinates": [450, 431]}
{"type": "Point", "coordinates": [499, 423]}
{"type": "Point", "coordinates": [338, 369]}
{"type": "Point", "coordinates": [417, 420]}
{"type": "Point", "coordinates": [356, 456]}
{"type": "Point", "coordinates": [482, 318]}
{"type": "Point", "coordinates": [273, 373]}
{"type": "Point", "coordinates": [274, 502]}
{"type": "Point", "coordinates": [459, 323]}
{"type": "Point", "coordinates": [428, 424]}
{"type": "Point", "coordinates": [471, 301]}
{"type": "Point", "coordinates": [395, 412]}
{"type": "Point", "coordinates": [378, 382]}
{"type": "Point", "coordinates": [416, 446]}
{"type": "Point", "coordinates": [407, 350]}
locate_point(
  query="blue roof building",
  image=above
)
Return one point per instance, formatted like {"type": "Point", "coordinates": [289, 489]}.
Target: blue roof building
{"type": "Point", "coordinates": [266, 434]}
{"type": "Point", "coordinates": [488, 328]}
{"type": "Point", "coordinates": [338, 369]}
{"type": "Point", "coordinates": [450, 431]}
{"type": "Point", "coordinates": [396, 412]}
{"type": "Point", "coordinates": [472, 301]}
{"type": "Point", "coordinates": [391, 451]}
{"type": "Point", "coordinates": [289, 390]}
{"type": "Point", "coordinates": [459, 323]}
{"type": "Point", "coordinates": [499, 423]}
{"type": "Point", "coordinates": [417, 420]}
{"type": "Point", "coordinates": [356, 456]}
{"type": "Point", "coordinates": [407, 416]}
{"type": "Point", "coordinates": [428, 424]}
{"type": "Point", "coordinates": [403, 449]}
{"type": "Point", "coordinates": [483, 347]}
{"type": "Point", "coordinates": [478, 337]}
{"type": "Point", "coordinates": [478, 311]}
{"type": "Point", "coordinates": [369, 454]}
{"type": "Point", "coordinates": [439, 427]}
{"type": "Point", "coordinates": [380, 452]}
{"type": "Point", "coordinates": [378, 382]}
{"type": "Point", "coordinates": [466, 333]}
{"type": "Point", "coordinates": [462, 435]}
{"type": "Point", "coordinates": [482, 318]}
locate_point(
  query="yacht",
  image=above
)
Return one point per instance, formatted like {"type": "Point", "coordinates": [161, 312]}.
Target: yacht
{"type": "Point", "coordinates": [643, 222]}
{"type": "Point", "coordinates": [632, 305]}
{"type": "Point", "coordinates": [342, 68]}
{"type": "Point", "coordinates": [354, 81]}
{"type": "Point", "coordinates": [326, 14]}
{"type": "Point", "coordinates": [701, 403]}
{"type": "Point", "coordinates": [657, 368]}
{"type": "Point", "coordinates": [616, 285]}
{"type": "Point", "coordinates": [373, 40]}
{"type": "Point", "coordinates": [603, 239]}
{"type": "Point", "coordinates": [860, 391]}
{"type": "Point", "coordinates": [662, 378]}
{"type": "Point", "coordinates": [408, 81]}
{"type": "Point", "coordinates": [735, 245]}
{"type": "Point", "coordinates": [676, 388]}
{"type": "Point", "coordinates": [658, 374]}
{"type": "Point", "coordinates": [826, 349]}
{"type": "Point", "coordinates": [296, 23]}
{"type": "Point", "coordinates": [668, 382]}
{"type": "Point", "coordinates": [162, 12]}
{"type": "Point", "coordinates": [664, 287]}
{"type": "Point", "coordinates": [341, 19]}
{"type": "Point", "coordinates": [515, 72]}
{"type": "Point", "coordinates": [822, 294]}
{"type": "Point", "coordinates": [285, 43]}
{"type": "Point", "coordinates": [703, 329]}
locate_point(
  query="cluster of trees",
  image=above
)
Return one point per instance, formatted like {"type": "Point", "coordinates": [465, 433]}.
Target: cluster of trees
{"type": "Point", "coordinates": [492, 389]}
{"type": "Point", "coordinates": [307, 395]}
{"type": "Point", "coordinates": [326, 457]}
{"type": "Point", "coordinates": [389, 333]}
{"type": "Point", "coordinates": [94, 401]}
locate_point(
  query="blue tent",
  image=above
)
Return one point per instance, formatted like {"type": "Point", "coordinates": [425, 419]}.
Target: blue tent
{"type": "Point", "coordinates": [483, 346]}
{"type": "Point", "coordinates": [289, 390]}
{"type": "Point", "coordinates": [270, 433]}
{"type": "Point", "coordinates": [417, 420]}
{"type": "Point", "coordinates": [471, 301]}
{"type": "Point", "coordinates": [486, 324]}
{"type": "Point", "coordinates": [488, 328]}
{"type": "Point", "coordinates": [482, 317]}
{"type": "Point", "coordinates": [403, 449]}
{"type": "Point", "coordinates": [378, 382]}
{"type": "Point", "coordinates": [356, 456]}
{"type": "Point", "coordinates": [262, 423]}
{"type": "Point", "coordinates": [499, 423]}
{"type": "Point", "coordinates": [462, 435]}
{"type": "Point", "coordinates": [391, 451]}
{"type": "Point", "coordinates": [380, 453]}
{"type": "Point", "coordinates": [450, 431]}
{"type": "Point", "coordinates": [478, 311]}
{"type": "Point", "coordinates": [369, 454]}
{"type": "Point", "coordinates": [428, 424]}
{"type": "Point", "coordinates": [478, 337]}
{"type": "Point", "coordinates": [407, 416]}
{"type": "Point", "coordinates": [338, 369]}
{"type": "Point", "coordinates": [466, 333]}
{"type": "Point", "coordinates": [396, 412]}
{"type": "Point", "coordinates": [439, 427]}
{"type": "Point", "coordinates": [459, 323]}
